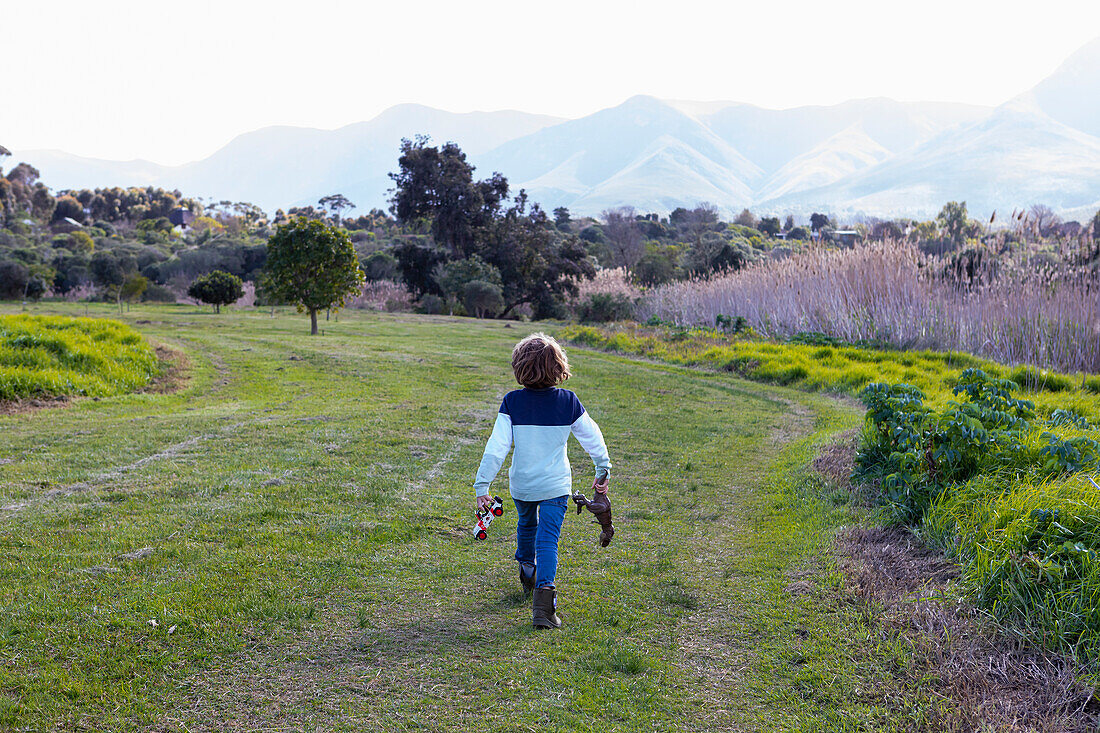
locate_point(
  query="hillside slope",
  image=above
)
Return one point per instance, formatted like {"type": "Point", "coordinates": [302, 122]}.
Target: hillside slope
{"type": "Point", "coordinates": [871, 156]}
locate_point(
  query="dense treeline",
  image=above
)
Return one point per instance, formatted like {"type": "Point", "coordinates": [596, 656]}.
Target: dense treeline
{"type": "Point", "coordinates": [456, 244]}
{"type": "Point", "coordinates": [118, 242]}
{"type": "Point", "coordinates": [129, 243]}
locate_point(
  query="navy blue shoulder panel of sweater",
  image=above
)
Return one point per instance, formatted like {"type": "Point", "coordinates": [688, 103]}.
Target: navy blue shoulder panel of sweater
{"type": "Point", "coordinates": [552, 406]}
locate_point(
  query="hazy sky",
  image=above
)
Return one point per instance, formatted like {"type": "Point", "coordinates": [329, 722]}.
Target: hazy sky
{"type": "Point", "coordinates": [172, 82]}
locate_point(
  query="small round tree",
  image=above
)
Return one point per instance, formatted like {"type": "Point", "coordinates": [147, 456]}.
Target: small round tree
{"type": "Point", "coordinates": [482, 298]}
{"type": "Point", "coordinates": [217, 288]}
{"type": "Point", "coordinates": [312, 265]}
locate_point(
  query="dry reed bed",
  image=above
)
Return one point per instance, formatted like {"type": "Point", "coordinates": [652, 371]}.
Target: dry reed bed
{"type": "Point", "coordinates": [383, 295]}
{"type": "Point", "coordinates": [891, 292]}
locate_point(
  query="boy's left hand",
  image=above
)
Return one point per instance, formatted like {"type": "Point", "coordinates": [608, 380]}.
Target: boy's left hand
{"type": "Point", "coordinates": [483, 502]}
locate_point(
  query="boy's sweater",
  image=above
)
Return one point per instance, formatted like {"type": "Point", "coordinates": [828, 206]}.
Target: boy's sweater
{"type": "Point", "coordinates": [538, 422]}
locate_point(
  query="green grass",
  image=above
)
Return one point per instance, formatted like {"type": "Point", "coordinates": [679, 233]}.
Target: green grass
{"type": "Point", "coordinates": [838, 369]}
{"type": "Point", "coordinates": [1025, 534]}
{"type": "Point", "coordinates": [1031, 555]}
{"type": "Point", "coordinates": [56, 356]}
{"type": "Point", "coordinates": [1028, 544]}
{"type": "Point", "coordinates": [295, 522]}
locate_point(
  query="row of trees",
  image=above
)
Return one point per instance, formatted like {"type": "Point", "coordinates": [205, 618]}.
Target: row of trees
{"type": "Point", "coordinates": [456, 242]}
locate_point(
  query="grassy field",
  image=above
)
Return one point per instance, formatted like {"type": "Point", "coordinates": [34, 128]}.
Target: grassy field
{"type": "Point", "coordinates": [282, 545]}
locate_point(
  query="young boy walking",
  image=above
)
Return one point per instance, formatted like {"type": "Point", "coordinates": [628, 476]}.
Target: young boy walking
{"type": "Point", "coordinates": [538, 420]}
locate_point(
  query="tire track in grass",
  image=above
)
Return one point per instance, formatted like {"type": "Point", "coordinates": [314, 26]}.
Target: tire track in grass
{"type": "Point", "coordinates": [104, 478]}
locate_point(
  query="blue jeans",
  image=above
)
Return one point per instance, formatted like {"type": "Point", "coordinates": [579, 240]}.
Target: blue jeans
{"type": "Point", "coordinates": [537, 531]}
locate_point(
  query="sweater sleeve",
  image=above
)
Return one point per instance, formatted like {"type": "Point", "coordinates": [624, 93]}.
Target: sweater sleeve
{"type": "Point", "coordinates": [591, 439]}
{"type": "Point", "coordinates": [496, 450]}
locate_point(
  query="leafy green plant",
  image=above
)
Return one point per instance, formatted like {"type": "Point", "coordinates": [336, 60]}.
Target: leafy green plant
{"type": "Point", "coordinates": [999, 408]}
{"type": "Point", "coordinates": [914, 452]}
{"type": "Point", "coordinates": [893, 448]}
{"type": "Point", "coordinates": [1062, 417]}
{"type": "Point", "coordinates": [814, 338]}
{"type": "Point", "coordinates": [1069, 455]}
{"type": "Point", "coordinates": [733, 324]}
{"type": "Point", "coordinates": [1030, 553]}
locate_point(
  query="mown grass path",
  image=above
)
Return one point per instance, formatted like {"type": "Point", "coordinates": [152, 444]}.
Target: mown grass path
{"type": "Point", "coordinates": [283, 545]}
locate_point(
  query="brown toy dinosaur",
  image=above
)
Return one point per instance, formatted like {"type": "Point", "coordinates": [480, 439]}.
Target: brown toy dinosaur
{"type": "Point", "coordinates": [599, 505]}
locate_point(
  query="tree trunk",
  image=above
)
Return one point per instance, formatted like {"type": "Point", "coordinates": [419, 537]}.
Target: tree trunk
{"type": "Point", "coordinates": [312, 322]}
{"type": "Point", "coordinates": [508, 310]}
{"type": "Point", "coordinates": [217, 308]}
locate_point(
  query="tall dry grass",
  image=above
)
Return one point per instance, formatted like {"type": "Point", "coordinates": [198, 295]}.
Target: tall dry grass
{"type": "Point", "coordinates": [383, 295]}
{"type": "Point", "coordinates": [608, 281]}
{"type": "Point", "coordinates": [1017, 312]}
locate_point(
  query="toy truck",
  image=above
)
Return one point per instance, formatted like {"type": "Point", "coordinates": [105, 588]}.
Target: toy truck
{"type": "Point", "coordinates": [484, 518]}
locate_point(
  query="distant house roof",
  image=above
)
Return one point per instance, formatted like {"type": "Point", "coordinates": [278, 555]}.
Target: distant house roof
{"type": "Point", "coordinates": [72, 222]}
{"type": "Point", "coordinates": [846, 232]}
{"type": "Point", "coordinates": [180, 217]}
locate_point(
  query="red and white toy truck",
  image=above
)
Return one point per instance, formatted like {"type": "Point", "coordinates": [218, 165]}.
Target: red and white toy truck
{"type": "Point", "coordinates": [485, 518]}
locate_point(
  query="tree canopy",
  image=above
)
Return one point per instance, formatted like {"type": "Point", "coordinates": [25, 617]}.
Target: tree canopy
{"type": "Point", "coordinates": [515, 254]}
{"type": "Point", "coordinates": [312, 265]}
{"type": "Point", "coordinates": [217, 288]}
{"type": "Point", "coordinates": [437, 185]}
{"type": "Point", "coordinates": [954, 220]}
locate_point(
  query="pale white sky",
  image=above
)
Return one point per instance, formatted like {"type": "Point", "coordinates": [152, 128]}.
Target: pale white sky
{"type": "Point", "coordinates": [172, 82]}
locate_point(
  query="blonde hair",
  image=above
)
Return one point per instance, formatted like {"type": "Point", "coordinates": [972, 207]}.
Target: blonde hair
{"type": "Point", "coordinates": [539, 362]}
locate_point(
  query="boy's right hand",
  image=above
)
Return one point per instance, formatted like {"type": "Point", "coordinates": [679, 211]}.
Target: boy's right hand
{"type": "Point", "coordinates": [483, 502]}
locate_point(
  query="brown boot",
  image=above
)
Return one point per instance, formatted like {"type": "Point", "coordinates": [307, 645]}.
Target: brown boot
{"type": "Point", "coordinates": [527, 581]}
{"type": "Point", "coordinates": [544, 609]}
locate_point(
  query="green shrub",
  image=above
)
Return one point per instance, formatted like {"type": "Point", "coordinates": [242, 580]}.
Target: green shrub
{"type": "Point", "coordinates": [158, 294]}
{"type": "Point", "coordinates": [216, 288]}
{"type": "Point", "coordinates": [603, 307]}
{"type": "Point", "coordinates": [1068, 455]}
{"type": "Point", "coordinates": [914, 453]}
{"type": "Point", "coordinates": [430, 303]}
{"type": "Point", "coordinates": [1003, 495]}
{"type": "Point", "coordinates": [1062, 417]}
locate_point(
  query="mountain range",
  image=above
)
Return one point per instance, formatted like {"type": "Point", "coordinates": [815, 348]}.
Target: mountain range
{"type": "Point", "coordinates": [875, 157]}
